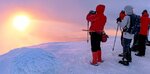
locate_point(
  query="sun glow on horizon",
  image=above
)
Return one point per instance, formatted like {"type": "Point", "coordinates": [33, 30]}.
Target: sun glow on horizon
{"type": "Point", "coordinates": [21, 22]}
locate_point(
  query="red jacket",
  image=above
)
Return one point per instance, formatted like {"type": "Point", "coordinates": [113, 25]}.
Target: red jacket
{"type": "Point", "coordinates": [97, 20]}
{"type": "Point", "coordinates": [145, 21]}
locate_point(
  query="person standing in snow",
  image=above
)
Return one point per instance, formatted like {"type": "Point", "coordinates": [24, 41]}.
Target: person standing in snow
{"type": "Point", "coordinates": [134, 46]}
{"type": "Point", "coordinates": [145, 21]}
{"type": "Point", "coordinates": [98, 21]}
{"type": "Point", "coordinates": [119, 19]}
{"type": "Point", "coordinates": [127, 36]}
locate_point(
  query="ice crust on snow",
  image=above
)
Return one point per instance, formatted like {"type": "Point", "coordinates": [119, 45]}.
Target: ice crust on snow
{"type": "Point", "coordinates": [32, 61]}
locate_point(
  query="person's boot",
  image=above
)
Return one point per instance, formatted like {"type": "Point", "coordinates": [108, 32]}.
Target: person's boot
{"type": "Point", "coordinates": [138, 54]}
{"type": "Point", "coordinates": [129, 56]}
{"type": "Point", "coordinates": [141, 53]}
{"type": "Point", "coordinates": [148, 43]}
{"type": "Point", "coordinates": [129, 59]}
{"type": "Point", "coordinates": [94, 59]}
{"type": "Point", "coordinates": [134, 49]}
{"type": "Point", "coordinates": [124, 62]}
{"type": "Point", "coordinates": [99, 56]}
{"type": "Point", "coordinates": [120, 55]}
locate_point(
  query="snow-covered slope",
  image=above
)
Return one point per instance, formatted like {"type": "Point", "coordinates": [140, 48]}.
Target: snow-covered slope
{"type": "Point", "coordinates": [70, 58]}
{"type": "Point", "coordinates": [28, 61]}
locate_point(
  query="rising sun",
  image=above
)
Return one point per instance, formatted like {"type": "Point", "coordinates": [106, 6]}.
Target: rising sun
{"type": "Point", "coordinates": [21, 22]}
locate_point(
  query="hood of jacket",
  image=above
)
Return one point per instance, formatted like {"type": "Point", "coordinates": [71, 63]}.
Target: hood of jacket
{"type": "Point", "coordinates": [128, 10]}
{"type": "Point", "coordinates": [145, 13]}
{"type": "Point", "coordinates": [100, 9]}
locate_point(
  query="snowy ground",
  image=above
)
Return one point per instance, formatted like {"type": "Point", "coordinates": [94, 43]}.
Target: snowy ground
{"type": "Point", "coordinates": [70, 58]}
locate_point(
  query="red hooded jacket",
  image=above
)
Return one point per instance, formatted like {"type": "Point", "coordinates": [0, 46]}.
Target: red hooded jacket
{"type": "Point", "coordinates": [145, 21]}
{"type": "Point", "coordinates": [97, 20]}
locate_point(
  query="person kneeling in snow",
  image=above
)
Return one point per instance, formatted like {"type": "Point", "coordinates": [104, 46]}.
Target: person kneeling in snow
{"type": "Point", "coordinates": [98, 20]}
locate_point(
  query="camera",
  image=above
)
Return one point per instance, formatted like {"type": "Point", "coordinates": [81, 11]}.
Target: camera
{"type": "Point", "coordinates": [92, 12]}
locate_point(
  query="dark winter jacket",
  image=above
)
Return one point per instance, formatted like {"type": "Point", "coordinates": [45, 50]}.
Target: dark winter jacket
{"type": "Point", "coordinates": [97, 20]}
{"type": "Point", "coordinates": [145, 21]}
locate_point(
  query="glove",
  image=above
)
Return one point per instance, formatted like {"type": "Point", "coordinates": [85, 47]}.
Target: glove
{"type": "Point", "coordinates": [92, 12]}
{"type": "Point", "coordinates": [118, 20]}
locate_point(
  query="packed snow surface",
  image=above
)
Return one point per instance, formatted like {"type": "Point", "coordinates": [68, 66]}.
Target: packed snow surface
{"type": "Point", "coordinates": [70, 58]}
{"type": "Point", "coordinates": [28, 61]}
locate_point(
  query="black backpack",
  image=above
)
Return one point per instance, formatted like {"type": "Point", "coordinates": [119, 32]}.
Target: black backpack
{"type": "Point", "coordinates": [134, 26]}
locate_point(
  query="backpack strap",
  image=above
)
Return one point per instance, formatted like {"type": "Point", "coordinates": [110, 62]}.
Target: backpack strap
{"type": "Point", "coordinates": [127, 25]}
{"type": "Point", "coordinates": [131, 22]}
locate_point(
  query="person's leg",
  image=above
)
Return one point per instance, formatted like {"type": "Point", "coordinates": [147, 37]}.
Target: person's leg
{"type": "Point", "coordinates": [99, 52]}
{"type": "Point", "coordinates": [135, 43]}
{"type": "Point", "coordinates": [94, 48]}
{"type": "Point", "coordinates": [121, 54]}
{"type": "Point", "coordinates": [126, 52]}
{"type": "Point", "coordinates": [98, 47]}
{"type": "Point", "coordinates": [122, 39]}
{"type": "Point", "coordinates": [142, 46]}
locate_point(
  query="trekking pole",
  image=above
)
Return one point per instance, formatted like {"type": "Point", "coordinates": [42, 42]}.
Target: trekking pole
{"type": "Point", "coordinates": [115, 38]}
{"type": "Point", "coordinates": [87, 31]}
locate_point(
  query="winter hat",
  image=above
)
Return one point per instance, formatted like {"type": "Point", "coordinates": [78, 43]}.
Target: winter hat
{"type": "Point", "coordinates": [128, 10]}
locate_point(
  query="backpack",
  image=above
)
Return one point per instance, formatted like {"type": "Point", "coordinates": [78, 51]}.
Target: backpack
{"type": "Point", "coordinates": [134, 26]}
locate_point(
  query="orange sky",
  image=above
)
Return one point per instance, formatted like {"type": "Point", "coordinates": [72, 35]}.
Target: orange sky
{"type": "Point", "coordinates": [40, 30]}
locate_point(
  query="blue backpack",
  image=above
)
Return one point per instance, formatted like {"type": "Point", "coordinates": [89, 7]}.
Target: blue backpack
{"type": "Point", "coordinates": [134, 26]}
